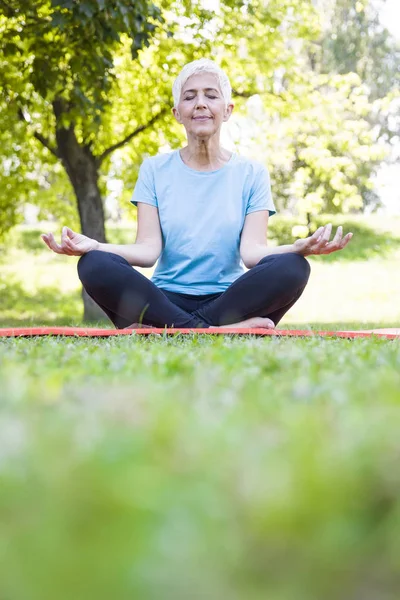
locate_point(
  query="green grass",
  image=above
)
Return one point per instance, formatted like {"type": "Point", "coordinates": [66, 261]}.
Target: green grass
{"type": "Point", "coordinates": [199, 467]}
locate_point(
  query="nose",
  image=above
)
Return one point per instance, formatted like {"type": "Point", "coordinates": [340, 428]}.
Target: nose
{"type": "Point", "coordinates": [201, 101]}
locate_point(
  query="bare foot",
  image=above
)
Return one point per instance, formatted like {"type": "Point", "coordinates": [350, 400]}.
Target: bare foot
{"type": "Point", "coordinates": [134, 326]}
{"type": "Point", "coordinates": [253, 322]}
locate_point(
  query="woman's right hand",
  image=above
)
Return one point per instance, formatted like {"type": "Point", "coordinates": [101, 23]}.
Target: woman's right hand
{"type": "Point", "coordinates": [72, 243]}
{"type": "Point", "coordinates": [319, 243]}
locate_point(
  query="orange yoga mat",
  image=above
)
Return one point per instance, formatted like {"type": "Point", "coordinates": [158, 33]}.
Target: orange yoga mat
{"type": "Point", "coordinates": [92, 332]}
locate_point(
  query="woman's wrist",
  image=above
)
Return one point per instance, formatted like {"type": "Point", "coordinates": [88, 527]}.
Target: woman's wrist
{"type": "Point", "coordinates": [298, 248]}
{"type": "Point", "coordinates": [100, 246]}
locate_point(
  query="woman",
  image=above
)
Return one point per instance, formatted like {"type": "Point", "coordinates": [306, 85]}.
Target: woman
{"type": "Point", "coordinates": [204, 212]}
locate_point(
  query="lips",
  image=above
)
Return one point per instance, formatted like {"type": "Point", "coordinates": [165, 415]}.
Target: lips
{"type": "Point", "coordinates": [201, 118]}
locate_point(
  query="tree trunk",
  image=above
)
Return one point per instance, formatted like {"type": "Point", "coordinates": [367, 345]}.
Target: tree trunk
{"type": "Point", "coordinates": [81, 167]}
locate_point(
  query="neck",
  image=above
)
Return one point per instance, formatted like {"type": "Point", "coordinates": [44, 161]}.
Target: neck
{"type": "Point", "coordinates": [205, 154]}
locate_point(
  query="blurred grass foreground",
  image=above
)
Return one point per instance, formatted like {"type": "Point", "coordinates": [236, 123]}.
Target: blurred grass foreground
{"type": "Point", "coordinates": [202, 467]}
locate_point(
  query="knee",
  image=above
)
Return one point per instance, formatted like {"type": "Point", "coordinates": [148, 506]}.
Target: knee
{"type": "Point", "coordinates": [293, 268]}
{"type": "Point", "coordinates": [298, 268]}
{"type": "Point", "coordinates": [90, 266]}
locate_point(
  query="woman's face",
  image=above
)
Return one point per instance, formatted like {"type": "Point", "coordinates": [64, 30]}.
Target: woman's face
{"type": "Point", "coordinates": [201, 108]}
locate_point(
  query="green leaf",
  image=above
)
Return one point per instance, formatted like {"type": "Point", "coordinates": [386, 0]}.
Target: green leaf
{"type": "Point", "coordinates": [63, 4]}
{"type": "Point", "coordinates": [87, 8]}
{"type": "Point", "coordinates": [10, 49]}
{"type": "Point", "coordinates": [58, 20]}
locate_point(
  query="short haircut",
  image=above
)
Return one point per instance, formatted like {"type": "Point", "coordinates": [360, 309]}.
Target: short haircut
{"type": "Point", "coordinates": [203, 65]}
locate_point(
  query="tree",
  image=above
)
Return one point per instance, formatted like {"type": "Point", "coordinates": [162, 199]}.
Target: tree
{"type": "Point", "coordinates": [354, 40]}
{"type": "Point", "coordinates": [60, 60]}
{"type": "Point", "coordinates": [324, 153]}
{"type": "Point", "coordinates": [61, 80]}
{"type": "Point", "coordinates": [322, 157]}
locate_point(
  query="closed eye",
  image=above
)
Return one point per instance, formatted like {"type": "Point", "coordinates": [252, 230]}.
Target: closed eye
{"type": "Point", "coordinates": [191, 97]}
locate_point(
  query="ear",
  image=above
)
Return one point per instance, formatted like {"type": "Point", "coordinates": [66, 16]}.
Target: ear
{"type": "Point", "coordinates": [228, 111]}
{"type": "Point", "coordinates": [176, 114]}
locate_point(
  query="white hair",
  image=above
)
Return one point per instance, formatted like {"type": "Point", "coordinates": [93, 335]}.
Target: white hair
{"type": "Point", "coordinates": [203, 65]}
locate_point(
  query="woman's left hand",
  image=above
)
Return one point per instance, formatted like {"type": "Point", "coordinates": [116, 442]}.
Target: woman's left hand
{"type": "Point", "coordinates": [319, 243]}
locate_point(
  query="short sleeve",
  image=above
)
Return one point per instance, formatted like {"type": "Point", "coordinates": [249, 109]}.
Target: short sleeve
{"type": "Point", "coordinates": [145, 188]}
{"type": "Point", "coordinates": [260, 194]}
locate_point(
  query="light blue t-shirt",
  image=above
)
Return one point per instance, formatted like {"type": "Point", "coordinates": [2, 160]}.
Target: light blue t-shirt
{"type": "Point", "coordinates": [202, 215]}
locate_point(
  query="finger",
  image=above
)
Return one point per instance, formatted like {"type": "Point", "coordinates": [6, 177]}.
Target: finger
{"type": "Point", "coordinates": [334, 247]}
{"type": "Point", "coordinates": [335, 244]}
{"type": "Point", "coordinates": [44, 238]}
{"type": "Point", "coordinates": [324, 238]}
{"type": "Point", "coordinates": [67, 231]}
{"type": "Point", "coordinates": [318, 233]}
{"type": "Point", "coordinates": [317, 244]}
{"type": "Point", "coordinates": [327, 233]}
{"type": "Point", "coordinates": [315, 238]}
{"type": "Point", "coordinates": [64, 235]}
{"type": "Point", "coordinates": [71, 247]}
{"type": "Point", "coordinates": [67, 250]}
{"type": "Point", "coordinates": [66, 242]}
{"type": "Point", "coordinates": [346, 240]}
{"type": "Point", "coordinates": [70, 234]}
{"type": "Point", "coordinates": [53, 244]}
{"type": "Point", "coordinates": [338, 237]}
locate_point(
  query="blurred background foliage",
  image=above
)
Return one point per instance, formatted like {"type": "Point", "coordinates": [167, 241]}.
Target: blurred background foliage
{"type": "Point", "coordinates": [85, 96]}
{"type": "Point", "coordinates": [315, 87]}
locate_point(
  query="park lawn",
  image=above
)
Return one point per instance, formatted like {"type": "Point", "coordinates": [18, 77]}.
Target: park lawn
{"type": "Point", "coordinates": [205, 467]}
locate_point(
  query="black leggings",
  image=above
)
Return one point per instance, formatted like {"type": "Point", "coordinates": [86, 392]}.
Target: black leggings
{"type": "Point", "coordinates": [126, 296]}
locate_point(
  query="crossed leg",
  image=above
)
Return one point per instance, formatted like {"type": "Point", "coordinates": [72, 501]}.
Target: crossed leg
{"type": "Point", "coordinates": [127, 296]}
{"type": "Point", "coordinates": [268, 290]}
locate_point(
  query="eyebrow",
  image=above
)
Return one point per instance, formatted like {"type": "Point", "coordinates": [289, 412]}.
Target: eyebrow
{"type": "Point", "coordinates": [205, 89]}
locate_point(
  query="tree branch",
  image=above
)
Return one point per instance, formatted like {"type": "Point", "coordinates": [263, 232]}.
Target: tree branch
{"type": "Point", "coordinates": [128, 138]}
{"type": "Point", "coordinates": [44, 141]}
{"type": "Point", "coordinates": [242, 94]}
{"type": "Point", "coordinates": [250, 94]}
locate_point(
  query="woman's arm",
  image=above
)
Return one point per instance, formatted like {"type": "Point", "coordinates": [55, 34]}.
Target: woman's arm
{"type": "Point", "coordinates": [138, 254]}
{"type": "Point", "coordinates": [253, 243]}
{"type": "Point", "coordinates": [253, 240]}
{"type": "Point", "coordinates": [143, 253]}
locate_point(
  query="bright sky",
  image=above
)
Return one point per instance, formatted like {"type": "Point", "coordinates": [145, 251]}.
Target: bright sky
{"type": "Point", "coordinates": [390, 17]}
